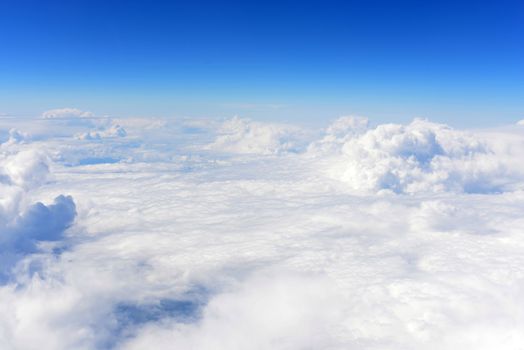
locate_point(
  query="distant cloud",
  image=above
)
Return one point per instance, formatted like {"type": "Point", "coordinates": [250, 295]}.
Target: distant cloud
{"type": "Point", "coordinates": [16, 136]}
{"type": "Point", "coordinates": [339, 132]}
{"type": "Point", "coordinates": [112, 131]}
{"type": "Point", "coordinates": [239, 135]}
{"type": "Point", "coordinates": [66, 113]}
{"type": "Point", "coordinates": [97, 127]}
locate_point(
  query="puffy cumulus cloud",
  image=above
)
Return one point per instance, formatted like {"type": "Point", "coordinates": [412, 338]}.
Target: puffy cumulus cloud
{"type": "Point", "coordinates": [26, 169]}
{"type": "Point", "coordinates": [72, 123]}
{"type": "Point", "coordinates": [16, 137]}
{"type": "Point", "coordinates": [420, 156]}
{"type": "Point", "coordinates": [76, 119]}
{"type": "Point", "coordinates": [339, 132]}
{"type": "Point", "coordinates": [23, 226]}
{"type": "Point", "coordinates": [38, 223]}
{"type": "Point", "coordinates": [72, 118]}
{"type": "Point", "coordinates": [520, 122]}
{"type": "Point", "coordinates": [239, 135]}
{"type": "Point", "coordinates": [345, 127]}
{"type": "Point", "coordinates": [19, 173]}
{"type": "Point", "coordinates": [42, 222]}
{"type": "Point", "coordinates": [114, 130]}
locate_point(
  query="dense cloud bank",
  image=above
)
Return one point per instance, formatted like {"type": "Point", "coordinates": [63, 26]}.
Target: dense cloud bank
{"type": "Point", "coordinates": [239, 234]}
{"type": "Point", "coordinates": [418, 157]}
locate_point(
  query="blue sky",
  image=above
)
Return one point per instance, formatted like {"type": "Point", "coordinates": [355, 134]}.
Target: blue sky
{"type": "Point", "coordinates": [459, 62]}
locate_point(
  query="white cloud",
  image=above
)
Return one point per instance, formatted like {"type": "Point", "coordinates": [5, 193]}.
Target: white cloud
{"type": "Point", "coordinates": [114, 130]}
{"type": "Point", "coordinates": [66, 113]}
{"type": "Point", "coordinates": [16, 136]}
{"type": "Point", "coordinates": [386, 237]}
{"type": "Point", "coordinates": [420, 156]}
{"type": "Point", "coordinates": [245, 136]}
{"type": "Point", "coordinates": [282, 311]}
{"type": "Point", "coordinates": [26, 169]}
{"type": "Point", "coordinates": [70, 119]}
{"type": "Point", "coordinates": [22, 225]}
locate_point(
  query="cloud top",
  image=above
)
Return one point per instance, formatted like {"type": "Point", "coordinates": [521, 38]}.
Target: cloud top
{"type": "Point", "coordinates": [420, 156]}
{"type": "Point", "coordinates": [28, 168]}
{"type": "Point", "coordinates": [239, 135]}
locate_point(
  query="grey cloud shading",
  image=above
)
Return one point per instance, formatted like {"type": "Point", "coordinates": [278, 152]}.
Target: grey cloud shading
{"type": "Point", "coordinates": [39, 223]}
{"type": "Point", "coordinates": [24, 226]}
{"type": "Point", "coordinates": [46, 223]}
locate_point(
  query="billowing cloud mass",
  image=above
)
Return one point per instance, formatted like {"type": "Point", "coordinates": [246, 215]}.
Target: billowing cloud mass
{"type": "Point", "coordinates": [23, 226]}
{"type": "Point", "coordinates": [240, 234]}
{"type": "Point", "coordinates": [420, 156]}
{"type": "Point", "coordinates": [84, 125]}
{"type": "Point", "coordinates": [15, 136]}
{"type": "Point", "coordinates": [239, 135]}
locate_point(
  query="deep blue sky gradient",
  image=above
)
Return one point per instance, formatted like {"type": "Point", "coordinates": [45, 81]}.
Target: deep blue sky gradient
{"type": "Point", "coordinates": [460, 62]}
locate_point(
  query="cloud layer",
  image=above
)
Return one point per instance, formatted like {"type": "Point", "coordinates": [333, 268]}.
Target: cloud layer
{"type": "Point", "coordinates": [202, 234]}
